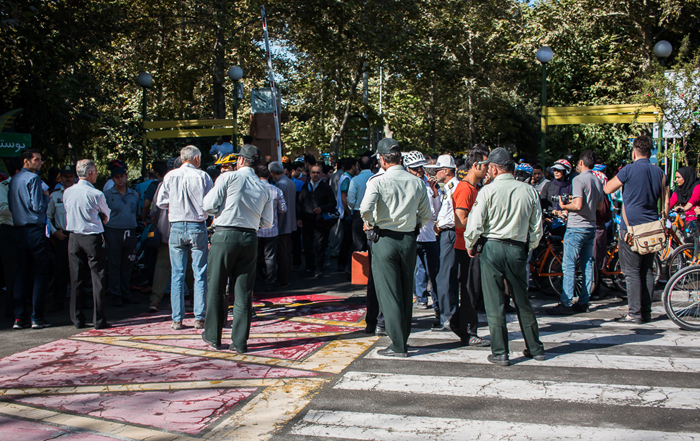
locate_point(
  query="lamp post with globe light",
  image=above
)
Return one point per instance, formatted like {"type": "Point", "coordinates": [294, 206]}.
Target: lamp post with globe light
{"type": "Point", "coordinates": [544, 55]}
{"type": "Point", "coordinates": [662, 50]}
{"type": "Point", "coordinates": [144, 80]}
{"type": "Point", "coordinates": [236, 73]}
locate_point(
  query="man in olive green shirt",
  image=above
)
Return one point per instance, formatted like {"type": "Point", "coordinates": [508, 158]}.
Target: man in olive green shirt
{"type": "Point", "coordinates": [396, 203]}
{"type": "Point", "coordinates": [508, 215]}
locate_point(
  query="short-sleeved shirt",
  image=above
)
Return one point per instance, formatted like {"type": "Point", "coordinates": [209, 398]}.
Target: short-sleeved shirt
{"type": "Point", "coordinates": [588, 187]}
{"type": "Point", "coordinates": [463, 198]}
{"type": "Point", "coordinates": [643, 185]}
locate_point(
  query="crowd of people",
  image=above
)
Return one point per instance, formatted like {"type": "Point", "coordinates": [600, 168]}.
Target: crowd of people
{"type": "Point", "coordinates": [454, 235]}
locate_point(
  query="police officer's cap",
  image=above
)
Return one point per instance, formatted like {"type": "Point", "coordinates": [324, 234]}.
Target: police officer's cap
{"type": "Point", "coordinates": [68, 170]}
{"type": "Point", "coordinates": [249, 151]}
{"type": "Point", "coordinates": [387, 146]}
{"type": "Point", "coordinates": [118, 171]}
{"type": "Point", "coordinates": [499, 156]}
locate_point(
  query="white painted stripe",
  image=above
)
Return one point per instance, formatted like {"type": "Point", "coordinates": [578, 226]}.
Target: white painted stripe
{"type": "Point", "coordinates": [371, 426]}
{"type": "Point", "coordinates": [586, 321]}
{"type": "Point", "coordinates": [588, 337]}
{"type": "Point", "coordinates": [527, 390]}
{"type": "Point", "coordinates": [573, 360]}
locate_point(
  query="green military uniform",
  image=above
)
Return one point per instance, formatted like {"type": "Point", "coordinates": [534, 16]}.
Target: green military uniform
{"type": "Point", "coordinates": [241, 203]}
{"type": "Point", "coordinates": [396, 202]}
{"type": "Point", "coordinates": [507, 213]}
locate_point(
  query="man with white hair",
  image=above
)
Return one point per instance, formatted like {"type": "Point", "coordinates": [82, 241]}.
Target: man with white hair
{"type": "Point", "coordinates": [287, 222]}
{"type": "Point", "coordinates": [86, 213]}
{"type": "Point", "coordinates": [183, 194]}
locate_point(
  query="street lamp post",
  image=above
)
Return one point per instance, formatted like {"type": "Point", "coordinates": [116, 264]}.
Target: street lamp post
{"type": "Point", "coordinates": [544, 55]}
{"type": "Point", "coordinates": [663, 50]}
{"type": "Point", "coordinates": [144, 80]}
{"type": "Point", "coordinates": [236, 73]}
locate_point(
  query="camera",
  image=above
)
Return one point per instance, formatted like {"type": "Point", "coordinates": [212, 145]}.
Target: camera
{"type": "Point", "coordinates": [564, 197]}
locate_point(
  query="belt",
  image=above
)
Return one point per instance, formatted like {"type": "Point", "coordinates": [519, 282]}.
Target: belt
{"type": "Point", "coordinates": [394, 234]}
{"type": "Point", "coordinates": [240, 229]}
{"type": "Point", "coordinates": [447, 229]}
{"type": "Point", "coordinates": [509, 242]}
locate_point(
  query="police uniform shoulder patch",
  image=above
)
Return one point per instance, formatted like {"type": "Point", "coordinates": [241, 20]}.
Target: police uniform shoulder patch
{"type": "Point", "coordinates": [475, 204]}
{"type": "Point", "coordinates": [450, 185]}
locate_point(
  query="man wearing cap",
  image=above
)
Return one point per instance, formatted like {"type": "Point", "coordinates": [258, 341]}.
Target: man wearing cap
{"type": "Point", "coordinates": [120, 236]}
{"type": "Point", "coordinates": [448, 279]}
{"type": "Point", "coordinates": [507, 214]}
{"type": "Point", "coordinates": [56, 216]}
{"type": "Point", "coordinates": [241, 204]}
{"type": "Point", "coordinates": [182, 193]}
{"type": "Point", "coordinates": [86, 212]}
{"type": "Point", "coordinates": [395, 205]}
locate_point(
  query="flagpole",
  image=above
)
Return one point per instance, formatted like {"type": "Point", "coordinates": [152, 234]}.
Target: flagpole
{"type": "Point", "coordinates": [272, 84]}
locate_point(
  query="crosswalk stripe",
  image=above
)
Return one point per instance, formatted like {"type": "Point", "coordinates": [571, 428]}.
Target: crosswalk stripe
{"type": "Point", "coordinates": [527, 390]}
{"type": "Point", "coordinates": [574, 360]}
{"type": "Point", "coordinates": [371, 426]}
{"type": "Point", "coordinates": [589, 337]}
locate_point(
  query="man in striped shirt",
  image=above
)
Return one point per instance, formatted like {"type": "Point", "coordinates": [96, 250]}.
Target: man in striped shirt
{"type": "Point", "coordinates": [267, 237]}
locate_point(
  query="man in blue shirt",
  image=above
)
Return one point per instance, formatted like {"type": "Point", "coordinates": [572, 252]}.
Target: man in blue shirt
{"type": "Point", "coordinates": [222, 147]}
{"type": "Point", "coordinates": [120, 236]}
{"type": "Point", "coordinates": [644, 183]}
{"type": "Point", "coordinates": [28, 202]}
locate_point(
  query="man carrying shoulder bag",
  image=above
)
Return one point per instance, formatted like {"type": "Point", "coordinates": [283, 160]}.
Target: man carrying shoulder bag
{"type": "Point", "coordinates": [640, 231]}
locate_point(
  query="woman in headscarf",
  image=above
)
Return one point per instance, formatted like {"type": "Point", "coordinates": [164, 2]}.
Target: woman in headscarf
{"type": "Point", "coordinates": [560, 185]}
{"type": "Point", "coordinates": [686, 195]}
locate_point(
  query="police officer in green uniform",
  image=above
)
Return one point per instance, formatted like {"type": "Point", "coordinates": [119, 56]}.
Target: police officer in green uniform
{"type": "Point", "coordinates": [394, 207]}
{"type": "Point", "coordinates": [241, 203]}
{"type": "Point", "coordinates": [508, 215]}
{"type": "Point", "coordinates": [56, 216]}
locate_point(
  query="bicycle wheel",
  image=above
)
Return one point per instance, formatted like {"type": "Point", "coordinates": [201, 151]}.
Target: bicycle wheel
{"type": "Point", "coordinates": [682, 298]}
{"type": "Point", "coordinates": [680, 258]}
{"type": "Point", "coordinates": [619, 279]}
{"type": "Point", "coordinates": [553, 266]}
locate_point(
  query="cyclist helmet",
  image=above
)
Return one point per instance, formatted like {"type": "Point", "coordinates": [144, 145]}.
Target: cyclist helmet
{"type": "Point", "coordinates": [599, 167]}
{"type": "Point", "coordinates": [227, 159]}
{"type": "Point", "coordinates": [414, 159]}
{"type": "Point", "coordinates": [524, 167]}
{"type": "Point", "coordinates": [285, 160]}
{"type": "Point", "coordinates": [562, 165]}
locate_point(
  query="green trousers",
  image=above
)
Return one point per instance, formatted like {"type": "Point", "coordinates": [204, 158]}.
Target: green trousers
{"type": "Point", "coordinates": [232, 253]}
{"type": "Point", "coordinates": [393, 267]}
{"type": "Point", "coordinates": [503, 263]}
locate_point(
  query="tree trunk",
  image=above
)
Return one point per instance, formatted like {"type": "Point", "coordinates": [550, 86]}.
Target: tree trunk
{"type": "Point", "coordinates": [343, 123]}
{"type": "Point", "coordinates": [219, 69]}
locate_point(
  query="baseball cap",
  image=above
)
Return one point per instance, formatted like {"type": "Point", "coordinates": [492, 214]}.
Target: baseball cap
{"type": "Point", "coordinates": [68, 170]}
{"type": "Point", "coordinates": [443, 161]}
{"type": "Point", "coordinates": [249, 151]}
{"type": "Point", "coordinates": [499, 156]}
{"type": "Point", "coordinates": [118, 171]}
{"type": "Point", "coordinates": [387, 146]}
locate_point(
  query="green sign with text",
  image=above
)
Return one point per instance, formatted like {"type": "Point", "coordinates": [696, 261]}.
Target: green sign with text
{"type": "Point", "coordinates": [12, 144]}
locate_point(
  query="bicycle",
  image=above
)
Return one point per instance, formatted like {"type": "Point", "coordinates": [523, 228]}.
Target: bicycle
{"type": "Point", "coordinates": [681, 296]}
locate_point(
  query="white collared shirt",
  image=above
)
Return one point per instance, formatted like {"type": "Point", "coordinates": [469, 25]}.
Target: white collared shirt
{"type": "Point", "coordinates": [446, 215]}
{"type": "Point", "coordinates": [183, 194]}
{"type": "Point", "coordinates": [83, 204]}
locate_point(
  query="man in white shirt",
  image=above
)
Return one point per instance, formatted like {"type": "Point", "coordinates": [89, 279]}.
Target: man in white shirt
{"type": "Point", "coordinates": [448, 282]}
{"type": "Point", "coordinates": [86, 213]}
{"type": "Point", "coordinates": [267, 237]}
{"type": "Point", "coordinates": [183, 194]}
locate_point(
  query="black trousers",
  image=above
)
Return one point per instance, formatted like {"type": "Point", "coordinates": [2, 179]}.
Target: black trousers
{"type": "Point", "coordinates": [448, 277]}
{"type": "Point", "coordinates": [359, 238]}
{"type": "Point", "coordinates": [33, 248]}
{"type": "Point", "coordinates": [87, 256]}
{"type": "Point", "coordinates": [267, 260]}
{"type": "Point", "coordinates": [284, 254]}
{"type": "Point", "coordinates": [121, 254]}
{"type": "Point", "coordinates": [465, 321]}
{"type": "Point", "coordinates": [8, 254]}
{"type": "Point", "coordinates": [639, 276]}
{"type": "Point", "coordinates": [296, 247]}
{"type": "Point", "coordinates": [61, 271]}
{"type": "Point", "coordinates": [315, 244]}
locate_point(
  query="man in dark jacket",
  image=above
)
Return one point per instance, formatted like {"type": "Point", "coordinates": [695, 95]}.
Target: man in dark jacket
{"type": "Point", "coordinates": [315, 210]}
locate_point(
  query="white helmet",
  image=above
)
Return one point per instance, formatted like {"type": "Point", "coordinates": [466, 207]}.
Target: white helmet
{"type": "Point", "coordinates": [414, 159]}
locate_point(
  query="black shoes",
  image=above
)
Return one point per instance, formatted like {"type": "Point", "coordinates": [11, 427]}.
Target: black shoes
{"type": "Point", "coordinates": [380, 331]}
{"type": "Point", "coordinates": [19, 324]}
{"type": "Point", "coordinates": [580, 307]}
{"type": "Point", "coordinates": [527, 353]}
{"type": "Point", "coordinates": [387, 352]}
{"type": "Point", "coordinates": [560, 309]}
{"type": "Point", "coordinates": [628, 319]}
{"type": "Point", "coordinates": [212, 344]}
{"type": "Point", "coordinates": [476, 342]}
{"type": "Point", "coordinates": [501, 360]}
{"type": "Point", "coordinates": [40, 324]}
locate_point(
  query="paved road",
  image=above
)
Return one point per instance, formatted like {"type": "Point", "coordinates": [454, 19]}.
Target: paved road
{"type": "Point", "coordinates": [600, 381]}
{"type": "Point", "coordinates": [312, 374]}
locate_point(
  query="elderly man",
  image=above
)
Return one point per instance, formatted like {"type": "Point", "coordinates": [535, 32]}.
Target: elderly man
{"type": "Point", "coordinates": [287, 222]}
{"type": "Point", "coordinates": [28, 202]}
{"type": "Point", "coordinates": [86, 212]}
{"type": "Point", "coordinates": [508, 216]}
{"type": "Point", "coordinates": [241, 204]}
{"type": "Point", "coordinates": [182, 193]}
{"type": "Point", "coordinates": [401, 204]}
